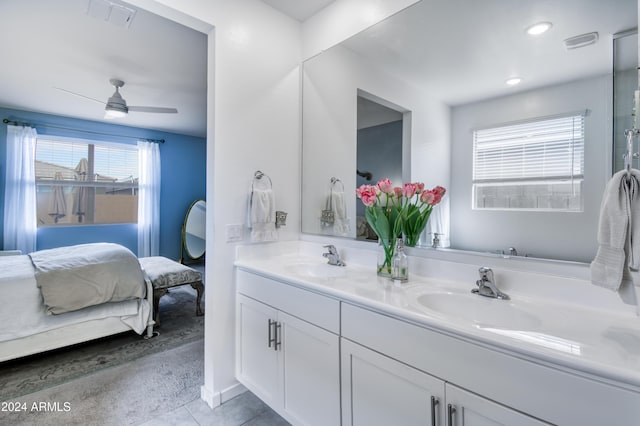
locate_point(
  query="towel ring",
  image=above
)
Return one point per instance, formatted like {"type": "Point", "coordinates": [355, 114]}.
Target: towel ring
{"type": "Point", "coordinates": [335, 180]}
{"type": "Point", "coordinates": [258, 175]}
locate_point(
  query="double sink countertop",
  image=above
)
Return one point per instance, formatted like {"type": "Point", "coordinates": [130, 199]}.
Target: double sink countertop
{"type": "Point", "coordinates": [549, 330]}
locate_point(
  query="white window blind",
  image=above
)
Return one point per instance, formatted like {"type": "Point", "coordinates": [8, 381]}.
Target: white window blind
{"type": "Point", "coordinates": [82, 182]}
{"type": "Point", "coordinates": [536, 165]}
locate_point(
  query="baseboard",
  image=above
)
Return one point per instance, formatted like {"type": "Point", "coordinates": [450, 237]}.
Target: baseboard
{"type": "Point", "coordinates": [214, 399]}
{"type": "Point", "coordinates": [232, 392]}
{"type": "Point", "coordinates": [211, 398]}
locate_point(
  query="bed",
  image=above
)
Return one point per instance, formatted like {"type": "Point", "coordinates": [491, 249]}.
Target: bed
{"type": "Point", "coordinates": [59, 297]}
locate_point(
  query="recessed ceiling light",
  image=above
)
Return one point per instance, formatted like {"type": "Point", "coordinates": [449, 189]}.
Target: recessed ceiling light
{"type": "Point", "coordinates": [513, 81]}
{"type": "Point", "coordinates": [539, 28]}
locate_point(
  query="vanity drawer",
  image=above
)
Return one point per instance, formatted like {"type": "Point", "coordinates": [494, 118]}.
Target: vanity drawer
{"type": "Point", "coordinates": [312, 307]}
{"type": "Point", "coordinates": [546, 391]}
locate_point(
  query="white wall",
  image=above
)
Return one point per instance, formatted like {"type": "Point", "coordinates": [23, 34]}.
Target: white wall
{"type": "Point", "coordinates": [555, 235]}
{"type": "Point", "coordinates": [330, 84]}
{"type": "Point", "coordinates": [253, 124]}
{"type": "Point", "coordinates": [253, 109]}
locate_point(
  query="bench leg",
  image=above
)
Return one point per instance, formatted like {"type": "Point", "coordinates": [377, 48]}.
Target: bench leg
{"type": "Point", "coordinates": [199, 287]}
{"type": "Point", "coordinates": [157, 294]}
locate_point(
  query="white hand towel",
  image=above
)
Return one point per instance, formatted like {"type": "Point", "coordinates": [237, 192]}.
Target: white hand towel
{"type": "Point", "coordinates": [618, 235]}
{"type": "Point", "coordinates": [341, 223]}
{"type": "Point", "coordinates": [263, 215]}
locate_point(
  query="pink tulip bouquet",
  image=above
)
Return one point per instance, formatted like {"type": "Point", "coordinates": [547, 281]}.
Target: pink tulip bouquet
{"type": "Point", "coordinates": [393, 211]}
{"type": "Point", "coordinates": [417, 204]}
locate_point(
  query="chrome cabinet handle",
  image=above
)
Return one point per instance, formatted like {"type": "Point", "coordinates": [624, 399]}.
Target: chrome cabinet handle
{"type": "Point", "coordinates": [278, 336]}
{"type": "Point", "coordinates": [434, 405]}
{"type": "Point", "coordinates": [450, 412]}
{"type": "Point", "coordinates": [272, 338]}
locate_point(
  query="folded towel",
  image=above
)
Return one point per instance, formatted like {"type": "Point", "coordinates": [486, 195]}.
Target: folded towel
{"type": "Point", "coordinates": [262, 215]}
{"type": "Point", "coordinates": [341, 223]}
{"type": "Point", "coordinates": [618, 233]}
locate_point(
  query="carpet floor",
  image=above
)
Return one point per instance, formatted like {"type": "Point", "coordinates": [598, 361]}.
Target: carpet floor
{"type": "Point", "coordinates": [127, 394]}
{"type": "Point", "coordinates": [179, 327]}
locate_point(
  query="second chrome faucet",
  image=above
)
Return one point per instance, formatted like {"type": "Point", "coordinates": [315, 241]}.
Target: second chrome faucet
{"type": "Point", "coordinates": [487, 285]}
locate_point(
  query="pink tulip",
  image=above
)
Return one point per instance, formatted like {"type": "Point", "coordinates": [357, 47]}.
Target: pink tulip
{"type": "Point", "coordinates": [428, 197]}
{"type": "Point", "coordinates": [440, 190]}
{"type": "Point", "coordinates": [410, 189]}
{"type": "Point", "coordinates": [385, 186]}
{"type": "Point", "coordinates": [368, 194]}
{"type": "Point", "coordinates": [398, 191]}
{"type": "Point", "coordinates": [420, 187]}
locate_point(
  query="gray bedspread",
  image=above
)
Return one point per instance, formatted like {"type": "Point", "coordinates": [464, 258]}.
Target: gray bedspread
{"type": "Point", "coordinates": [74, 277]}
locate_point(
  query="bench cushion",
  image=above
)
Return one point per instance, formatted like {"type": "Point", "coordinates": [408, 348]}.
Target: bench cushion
{"type": "Point", "coordinates": [165, 273]}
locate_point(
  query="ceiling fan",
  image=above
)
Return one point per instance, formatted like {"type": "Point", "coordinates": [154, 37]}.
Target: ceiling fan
{"type": "Point", "coordinates": [116, 105]}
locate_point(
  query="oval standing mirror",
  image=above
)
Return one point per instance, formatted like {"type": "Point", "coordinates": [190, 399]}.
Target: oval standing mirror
{"type": "Point", "coordinates": [193, 232]}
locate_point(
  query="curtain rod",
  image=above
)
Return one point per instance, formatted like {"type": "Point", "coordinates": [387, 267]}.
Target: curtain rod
{"type": "Point", "coordinates": [23, 123]}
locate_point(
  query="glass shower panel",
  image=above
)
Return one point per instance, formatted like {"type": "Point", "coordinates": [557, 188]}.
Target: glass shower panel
{"type": "Point", "coordinates": [625, 84]}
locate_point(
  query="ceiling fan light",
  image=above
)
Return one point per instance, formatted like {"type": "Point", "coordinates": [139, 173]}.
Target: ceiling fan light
{"type": "Point", "coordinates": [513, 81]}
{"type": "Point", "coordinates": [538, 28]}
{"type": "Point", "coordinates": [111, 112]}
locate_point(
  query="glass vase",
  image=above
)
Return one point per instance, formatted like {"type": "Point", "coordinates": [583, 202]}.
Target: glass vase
{"type": "Point", "coordinates": [386, 250]}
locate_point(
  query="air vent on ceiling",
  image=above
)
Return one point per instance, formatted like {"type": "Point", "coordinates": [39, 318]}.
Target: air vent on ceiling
{"type": "Point", "coordinates": [581, 40]}
{"type": "Point", "coordinates": [114, 13]}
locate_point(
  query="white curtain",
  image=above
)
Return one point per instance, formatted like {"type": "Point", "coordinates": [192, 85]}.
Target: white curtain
{"type": "Point", "coordinates": [148, 199]}
{"type": "Point", "coordinates": [20, 217]}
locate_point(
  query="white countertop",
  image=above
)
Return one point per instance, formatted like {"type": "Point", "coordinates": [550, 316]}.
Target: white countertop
{"type": "Point", "coordinates": [584, 339]}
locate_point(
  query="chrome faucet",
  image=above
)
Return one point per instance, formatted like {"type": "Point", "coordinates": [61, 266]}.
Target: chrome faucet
{"type": "Point", "coordinates": [513, 251]}
{"type": "Point", "coordinates": [333, 256]}
{"type": "Point", "coordinates": [487, 286]}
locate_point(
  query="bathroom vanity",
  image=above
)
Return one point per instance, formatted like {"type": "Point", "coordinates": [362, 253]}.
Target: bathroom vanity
{"type": "Point", "coordinates": [331, 345]}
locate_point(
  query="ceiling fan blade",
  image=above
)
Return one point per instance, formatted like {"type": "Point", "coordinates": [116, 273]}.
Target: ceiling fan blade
{"type": "Point", "coordinates": [153, 109]}
{"type": "Point", "coordinates": [82, 96]}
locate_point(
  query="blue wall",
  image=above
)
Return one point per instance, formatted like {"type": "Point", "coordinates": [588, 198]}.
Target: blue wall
{"type": "Point", "coordinates": [183, 180]}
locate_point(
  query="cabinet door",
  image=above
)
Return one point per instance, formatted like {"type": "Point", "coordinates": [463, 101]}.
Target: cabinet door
{"type": "Point", "coordinates": [257, 359]}
{"type": "Point", "coordinates": [378, 390]}
{"type": "Point", "coordinates": [473, 410]}
{"type": "Point", "coordinates": [310, 362]}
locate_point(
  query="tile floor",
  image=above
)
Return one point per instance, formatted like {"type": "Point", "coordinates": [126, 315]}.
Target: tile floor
{"type": "Point", "coordinates": [244, 410]}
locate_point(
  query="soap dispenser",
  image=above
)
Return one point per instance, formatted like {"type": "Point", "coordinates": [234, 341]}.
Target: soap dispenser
{"type": "Point", "coordinates": [399, 264]}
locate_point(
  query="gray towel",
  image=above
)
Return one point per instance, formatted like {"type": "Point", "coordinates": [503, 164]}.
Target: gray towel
{"type": "Point", "coordinates": [618, 233]}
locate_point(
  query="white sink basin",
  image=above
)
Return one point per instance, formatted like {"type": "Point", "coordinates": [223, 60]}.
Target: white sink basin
{"type": "Point", "coordinates": [482, 311]}
{"type": "Point", "coordinates": [317, 270]}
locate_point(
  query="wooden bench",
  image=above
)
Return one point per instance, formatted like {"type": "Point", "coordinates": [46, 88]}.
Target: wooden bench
{"type": "Point", "coordinates": [166, 273]}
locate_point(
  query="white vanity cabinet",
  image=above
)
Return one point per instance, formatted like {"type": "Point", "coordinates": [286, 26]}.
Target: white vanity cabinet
{"type": "Point", "coordinates": [485, 385]}
{"type": "Point", "coordinates": [464, 408]}
{"type": "Point", "coordinates": [324, 353]}
{"type": "Point", "coordinates": [379, 391]}
{"type": "Point", "coordinates": [288, 349]}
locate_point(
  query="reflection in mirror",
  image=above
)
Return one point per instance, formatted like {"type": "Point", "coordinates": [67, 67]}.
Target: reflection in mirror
{"type": "Point", "coordinates": [455, 85]}
{"type": "Point", "coordinates": [193, 233]}
{"type": "Point", "coordinates": [379, 149]}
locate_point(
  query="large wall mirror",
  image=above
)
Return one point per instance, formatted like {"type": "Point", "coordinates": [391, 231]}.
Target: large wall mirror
{"type": "Point", "coordinates": [438, 78]}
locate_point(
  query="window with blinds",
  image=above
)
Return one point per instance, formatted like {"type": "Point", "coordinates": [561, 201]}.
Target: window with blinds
{"type": "Point", "coordinates": [534, 165]}
{"type": "Point", "coordinates": [84, 182]}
